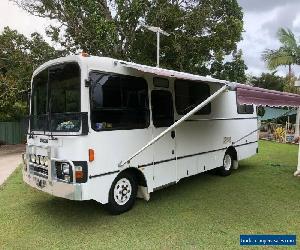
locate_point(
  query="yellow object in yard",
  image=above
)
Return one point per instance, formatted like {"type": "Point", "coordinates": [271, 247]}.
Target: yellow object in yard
{"type": "Point", "coordinates": [279, 134]}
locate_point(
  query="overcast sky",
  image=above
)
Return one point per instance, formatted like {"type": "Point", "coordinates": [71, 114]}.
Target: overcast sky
{"type": "Point", "coordinates": [262, 18]}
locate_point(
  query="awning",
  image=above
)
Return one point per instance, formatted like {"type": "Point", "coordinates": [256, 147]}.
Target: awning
{"type": "Point", "coordinates": [171, 73]}
{"type": "Point", "coordinates": [259, 96]}
{"type": "Point", "coordinates": [274, 113]}
{"type": "Point", "coordinates": [245, 94]}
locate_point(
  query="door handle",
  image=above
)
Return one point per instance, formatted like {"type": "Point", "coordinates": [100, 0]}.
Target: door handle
{"type": "Point", "coordinates": [173, 134]}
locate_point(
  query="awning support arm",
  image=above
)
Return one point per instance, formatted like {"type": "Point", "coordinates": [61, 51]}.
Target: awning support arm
{"type": "Point", "coordinates": [175, 124]}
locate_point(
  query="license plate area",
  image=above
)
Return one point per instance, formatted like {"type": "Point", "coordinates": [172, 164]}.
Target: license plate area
{"type": "Point", "coordinates": [40, 183]}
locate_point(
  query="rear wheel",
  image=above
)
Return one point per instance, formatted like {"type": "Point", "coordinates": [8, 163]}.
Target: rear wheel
{"type": "Point", "coordinates": [227, 167]}
{"type": "Point", "coordinates": [122, 194]}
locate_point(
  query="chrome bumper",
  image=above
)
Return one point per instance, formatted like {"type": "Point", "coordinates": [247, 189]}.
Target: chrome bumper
{"type": "Point", "coordinates": [70, 191]}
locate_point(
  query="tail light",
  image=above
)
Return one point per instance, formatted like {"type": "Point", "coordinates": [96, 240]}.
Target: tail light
{"type": "Point", "coordinates": [81, 171]}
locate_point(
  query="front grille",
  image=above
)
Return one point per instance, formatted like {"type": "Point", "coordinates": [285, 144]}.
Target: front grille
{"type": "Point", "coordinates": [39, 170]}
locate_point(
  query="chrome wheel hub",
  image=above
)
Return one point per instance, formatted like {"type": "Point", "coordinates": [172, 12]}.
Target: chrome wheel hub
{"type": "Point", "coordinates": [122, 191]}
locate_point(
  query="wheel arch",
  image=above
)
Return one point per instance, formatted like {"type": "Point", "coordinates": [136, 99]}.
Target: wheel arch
{"type": "Point", "coordinates": [232, 150]}
{"type": "Point", "coordinates": [141, 182]}
{"type": "Point", "coordinates": [138, 175]}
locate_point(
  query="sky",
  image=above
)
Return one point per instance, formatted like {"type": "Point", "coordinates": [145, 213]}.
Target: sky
{"type": "Point", "coordinates": [262, 18]}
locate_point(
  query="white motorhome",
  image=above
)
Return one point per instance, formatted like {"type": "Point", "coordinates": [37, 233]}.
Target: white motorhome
{"type": "Point", "coordinates": [110, 130]}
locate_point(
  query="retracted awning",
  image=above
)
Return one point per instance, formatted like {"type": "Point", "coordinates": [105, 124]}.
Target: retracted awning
{"type": "Point", "coordinates": [171, 73]}
{"type": "Point", "coordinates": [259, 96]}
{"type": "Point", "coordinates": [245, 94]}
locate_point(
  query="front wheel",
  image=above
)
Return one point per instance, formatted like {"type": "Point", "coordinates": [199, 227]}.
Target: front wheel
{"type": "Point", "coordinates": [227, 167]}
{"type": "Point", "coordinates": [122, 194]}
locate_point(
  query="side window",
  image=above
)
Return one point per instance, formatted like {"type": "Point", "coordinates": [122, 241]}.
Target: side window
{"type": "Point", "coordinates": [189, 94]}
{"type": "Point", "coordinates": [162, 108]}
{"type": "Point", "coordinates": [118, 102]}
{"type": "Point", "coordinates": [245, 109]}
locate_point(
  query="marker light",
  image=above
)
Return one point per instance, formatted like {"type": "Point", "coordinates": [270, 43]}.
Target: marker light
{"type": "Point", "coordinates": [84, 54]}
{"type": "Point", "coordinates": [91, 155]}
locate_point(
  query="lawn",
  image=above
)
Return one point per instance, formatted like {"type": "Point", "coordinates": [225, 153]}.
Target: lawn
{"type": "Point", "coordinates": [202, 212]}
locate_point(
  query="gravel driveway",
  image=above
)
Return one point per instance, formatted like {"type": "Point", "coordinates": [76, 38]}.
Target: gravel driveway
{"type": "Point", "coordinates": [10, 158]}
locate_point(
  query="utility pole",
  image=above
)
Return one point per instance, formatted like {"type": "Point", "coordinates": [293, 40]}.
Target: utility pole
{"type": "Point", "coordinates": [158, 31]}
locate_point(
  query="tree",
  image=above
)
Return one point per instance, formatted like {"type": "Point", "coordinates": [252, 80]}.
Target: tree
{"type": "Point", "coordinates": [287, 55]}
{"type": "Point", "coordinates": [231, 71]}
{"type": "Point", "coordinates": [200, 30]}
{"type": "Point", "coordinates": [19, 56]}
{"type": "Point", "coordinates": [268, 81]}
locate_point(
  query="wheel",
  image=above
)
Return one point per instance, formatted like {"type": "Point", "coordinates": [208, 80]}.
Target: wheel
{"type": "Point", "coordinates": [122, 194]}
{"type": "Point", "coordinates": [227, 167]}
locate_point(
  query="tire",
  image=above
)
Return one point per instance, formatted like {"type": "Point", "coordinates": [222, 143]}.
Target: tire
{"type": "Point", "coordinates": [227, 167]}
{"type": "Point", "coordinates": [122, 194]}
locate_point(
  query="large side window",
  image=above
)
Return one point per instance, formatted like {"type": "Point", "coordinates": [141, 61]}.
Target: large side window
{"type": "Point", "coordinates": [188, 94]}
{"type": "Point", "coordinates": [245, 109]}
{"type": "Point", "coordinates": [118, 102]}
{"type": "Point", "coordinates": [162, 108]}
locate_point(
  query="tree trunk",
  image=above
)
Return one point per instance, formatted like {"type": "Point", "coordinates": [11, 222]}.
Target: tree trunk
{"type": "Point", "coordinates": [290, 73]}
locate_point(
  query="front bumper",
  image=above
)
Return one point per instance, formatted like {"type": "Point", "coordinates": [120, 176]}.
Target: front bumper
{"type": "Point", "coordinates": [70, 191]}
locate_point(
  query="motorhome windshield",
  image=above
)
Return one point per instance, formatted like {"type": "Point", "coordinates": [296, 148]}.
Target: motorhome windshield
{"type": "Point", "coordinates": [56, 99]}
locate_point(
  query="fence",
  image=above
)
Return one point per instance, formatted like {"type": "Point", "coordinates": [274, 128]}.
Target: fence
{"type": "Point", "coordinates": [12, 132]}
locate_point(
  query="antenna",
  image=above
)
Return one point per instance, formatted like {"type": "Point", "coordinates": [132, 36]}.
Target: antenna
{"type": "Point", "coordinates": [158, 31]}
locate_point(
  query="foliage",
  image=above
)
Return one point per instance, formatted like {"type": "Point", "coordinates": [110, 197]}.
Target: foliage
{"type": "Point", "coordinates": [268, 81]}
{"type": "Point", "coordinates": [231, 71]}
{"type": "Point", "coordinates": [288, 54]}
{"type": "Point", "coordinates": [289, 85]}
{"type": "Point", "coordinates": [19, 56]}
{"type": "Point", "coordinates": [201, 31]}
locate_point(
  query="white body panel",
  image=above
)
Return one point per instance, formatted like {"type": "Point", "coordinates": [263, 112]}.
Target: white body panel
{"type": "Point", "coordinates": [199, 144]}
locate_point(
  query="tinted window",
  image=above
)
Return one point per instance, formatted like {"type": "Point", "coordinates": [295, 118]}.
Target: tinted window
{"type": "Point", "coordinates": [118, 102]}
{"type": "Point", "coordinates": [39, 94]}
{"type": "Point", "coordinates": [162, 108]}
{"type": "Point", "coordinates": [245, 109]}
{"type": "Point", "coordinates": [189, 94]}
{"type": "Point", "coordinates": [56, 91]}
{"type": "Point", "coordinates": [160, 82]}
{"type": "Point", "coordinates": [64, 88]}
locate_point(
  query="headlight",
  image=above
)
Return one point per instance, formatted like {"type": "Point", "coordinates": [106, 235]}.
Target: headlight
{"type": "Point", "coordinates": [32, 158]}
{"type": "Point", "coordinates": [66, 169]}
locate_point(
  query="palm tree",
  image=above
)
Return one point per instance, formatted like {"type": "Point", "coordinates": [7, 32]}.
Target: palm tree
{"type": "Point", "coordinates": [287, 55]}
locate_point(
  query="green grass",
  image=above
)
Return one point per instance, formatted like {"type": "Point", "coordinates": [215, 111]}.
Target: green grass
{"type": "Point", "coordinates": [202, 212]}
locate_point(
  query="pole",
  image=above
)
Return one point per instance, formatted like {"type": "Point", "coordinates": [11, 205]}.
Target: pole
{"type": "Point", "coordinates": [297, 173]}
{"type": "Point", "coordinates": [157, 50]}
{"type": "Point", "coordinates": [182, 119]}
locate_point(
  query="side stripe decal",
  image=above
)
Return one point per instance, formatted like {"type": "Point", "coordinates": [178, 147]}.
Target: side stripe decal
{"type": "Point", "coordinates": [171, 159]}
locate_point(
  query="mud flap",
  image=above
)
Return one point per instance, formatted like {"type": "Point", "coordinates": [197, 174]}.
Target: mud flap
{"type": "Point", "coordinates": [143, 193]}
